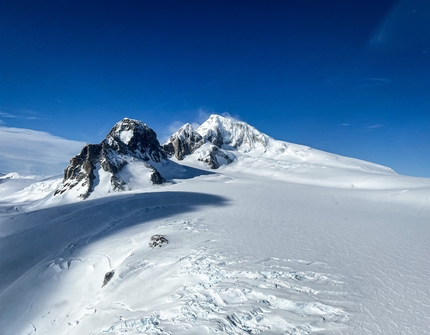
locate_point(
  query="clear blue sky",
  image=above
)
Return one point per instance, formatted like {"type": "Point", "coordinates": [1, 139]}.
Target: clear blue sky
{"type": "Point", "coordinates": [349, 77]}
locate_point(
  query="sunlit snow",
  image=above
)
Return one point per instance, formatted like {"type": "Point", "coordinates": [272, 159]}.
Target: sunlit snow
{"type": "Point", "coordinates": [292, 241]}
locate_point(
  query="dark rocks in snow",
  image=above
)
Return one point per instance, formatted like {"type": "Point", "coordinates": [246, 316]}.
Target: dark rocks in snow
{"type": "Point", "coordinates": [156, 178]}
{"type": "Point", "coordinates": [212, 159]}
{"type": "Point", "coordinates": [157, 240]}
{"type": "Point", "coordinates": [128, 140]}
{"type": "Point", "coordinates": [220, 134]}
{"type": "Point", "coordinates": [81, 169]}
{"type": "Point", "coordinates": [132, 137]}
{"type": "Point", "coordinates": [108, 276]}
{"type": "Point", "coordinates": [184, 142]}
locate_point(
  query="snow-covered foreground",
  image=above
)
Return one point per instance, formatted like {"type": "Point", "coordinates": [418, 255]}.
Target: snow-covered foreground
{"type": "Point", "coordinates": [271, 249]}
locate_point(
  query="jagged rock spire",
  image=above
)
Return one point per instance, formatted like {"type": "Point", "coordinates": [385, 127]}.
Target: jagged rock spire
{"type": "Point", "coordinates": [128, 139]}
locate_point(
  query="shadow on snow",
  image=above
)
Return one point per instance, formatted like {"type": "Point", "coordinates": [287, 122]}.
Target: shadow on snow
{"type": "Point", "coordinates": [86, 222]}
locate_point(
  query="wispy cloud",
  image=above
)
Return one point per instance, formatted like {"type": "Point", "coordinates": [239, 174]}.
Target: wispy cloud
{"type": "Point", "coordinates": [375, 126]}
{"type": "Point", "coordinates": [7, 115]}
{"type": "Point", "coordinates": [34, 152]}
{"type": "Point", "coordinates": [28, 115]}
{"type": "Point", "coordinates": [373, 82]}
{"type": "Point", "coordinates": [380, 80]}
{"type": "Point", "coordinates": [372, 127]}
{"type": "Point", "coordinates": [202, 115]}
{"type": "Point", "coordinates": [404, 28]}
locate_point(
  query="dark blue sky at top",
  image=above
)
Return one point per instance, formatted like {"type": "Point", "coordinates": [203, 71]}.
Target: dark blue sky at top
{"type": "Point", "coordinates": [349, 77]}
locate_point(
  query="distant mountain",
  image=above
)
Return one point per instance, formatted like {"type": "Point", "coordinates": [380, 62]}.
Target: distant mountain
{"type": "Point", "coordinates": [216, 138]}
{"type": "Point", "coordinates": [131, 153]}
{"type": "Point", "coordinates": [15, 175]}
{"type": "Point", "coordinates": [221, 141]}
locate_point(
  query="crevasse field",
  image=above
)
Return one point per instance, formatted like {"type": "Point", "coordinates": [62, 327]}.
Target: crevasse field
{"type": "Point", "coordinates": [302, 243]}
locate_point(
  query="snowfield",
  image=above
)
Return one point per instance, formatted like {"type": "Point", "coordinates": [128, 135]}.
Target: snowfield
{"type": "Point", "coordinates": [319, 244]}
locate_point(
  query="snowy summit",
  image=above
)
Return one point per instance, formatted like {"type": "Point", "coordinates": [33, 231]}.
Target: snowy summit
{"type": "Point", "coordinates": [220, 230]}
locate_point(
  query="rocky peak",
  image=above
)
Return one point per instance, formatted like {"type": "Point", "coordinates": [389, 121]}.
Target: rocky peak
{"type": "Point", "coordinates": [184, 142]}
{"type": "Point", "coordinates": [127, 141]}
{"type": "Point", "coordinates": [220, 136]}
{"type": "Point", "coordinates": [135, 138]}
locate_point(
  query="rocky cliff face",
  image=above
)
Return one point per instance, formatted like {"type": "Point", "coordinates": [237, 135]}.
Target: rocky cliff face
{"type": "Point", "coordinates": [184, 142]}
{"type": "Point", "coordinates": [128, 140]}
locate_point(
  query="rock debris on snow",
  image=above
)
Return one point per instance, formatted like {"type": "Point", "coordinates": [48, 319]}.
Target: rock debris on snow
{"type": "Point", "coordinates": [157, 240]}
{"type": "Point", "coordinates": [108, 276]}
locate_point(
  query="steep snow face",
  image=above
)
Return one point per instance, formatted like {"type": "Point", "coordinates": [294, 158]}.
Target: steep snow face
{"type": "Point", "coordinates": [235, 140]}
{"type": "Point", "coordinates": [228, 134]}
{"type": "Point", "coordinates": [98, 165]}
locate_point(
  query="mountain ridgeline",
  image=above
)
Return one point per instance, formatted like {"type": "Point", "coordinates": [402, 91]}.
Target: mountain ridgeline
{"type": "Point", "coordinates": [131, 151]}
{"type": "Point", "coordinates": [133, 141]}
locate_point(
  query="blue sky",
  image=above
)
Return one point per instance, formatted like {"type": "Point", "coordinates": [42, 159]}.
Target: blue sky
{"type": "Point", "coordinates": [348, 77]}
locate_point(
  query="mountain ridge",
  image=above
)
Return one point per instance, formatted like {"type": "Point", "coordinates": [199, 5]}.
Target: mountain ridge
{"type": "Point", "coordinates": [131, 149]}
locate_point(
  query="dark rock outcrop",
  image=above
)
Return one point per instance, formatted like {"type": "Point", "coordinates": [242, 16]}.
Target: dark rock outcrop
{"type": "Point", "coordinates": [108, 276]}
{"type": "Point", "coordinates": [214, 156]}
{"type": "Point", "coordinates": [157, 240]}
{"type": "Point", "coordinates": [184, 142]}
{"type": "Point", "coordinates": [132, 137]}
{"type": "Point", "coordinates": [220, 135]}
{"type": "Point", "coordinates": [128, 140]}
{"type": "Point", "coordinates": [214, 143]}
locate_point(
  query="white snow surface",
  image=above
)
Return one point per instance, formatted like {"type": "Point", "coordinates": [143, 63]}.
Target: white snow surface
{"type": "Point", "coordinates": [126, 136]}
{"type": "Point", "coordinates": [247, 143]}
{"type": "Point", "coordinates": [292, 242]}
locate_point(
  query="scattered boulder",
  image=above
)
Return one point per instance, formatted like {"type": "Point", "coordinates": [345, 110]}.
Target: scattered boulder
{"type": "Point", "coordinates": [157, 240]}
{"type": "Point", "coordinates": [108, 277]}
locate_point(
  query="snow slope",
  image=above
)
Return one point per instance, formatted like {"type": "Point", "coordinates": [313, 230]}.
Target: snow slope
{"type": "Point", "coordinates": [238, 140]}
{"type": "Point", "coordinates": [248, 253]}
{"type": "Point", "coordinates": [284, 240]}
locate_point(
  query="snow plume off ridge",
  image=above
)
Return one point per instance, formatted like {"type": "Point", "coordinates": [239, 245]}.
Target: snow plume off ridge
{"type": "Point", "coordinates": [259, 237]}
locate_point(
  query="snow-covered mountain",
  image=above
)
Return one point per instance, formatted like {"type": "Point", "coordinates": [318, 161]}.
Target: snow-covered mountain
{"type": "Point", "coordinates": [102, 166]}
{"type": "Point", "coordinates": [248, 235]}
{"type": "Point", "coordinates": [131, 150]}
{"type": "Point", "coordinates": [221, 141]}
{"type": "Point", "coordinates": [216, 140]}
